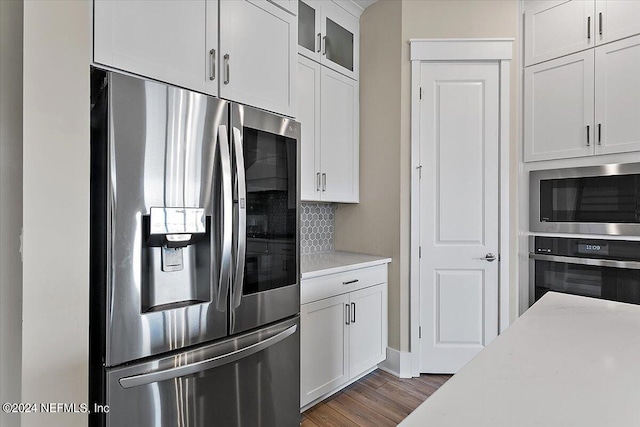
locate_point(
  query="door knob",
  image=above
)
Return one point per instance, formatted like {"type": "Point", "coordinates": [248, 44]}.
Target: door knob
{"type": "Point", "coordinates": [489, 257]}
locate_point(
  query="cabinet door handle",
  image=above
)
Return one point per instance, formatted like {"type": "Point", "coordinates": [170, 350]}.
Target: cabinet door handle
{"type": "Point", "coordinates": [589, 28]}
{"type": "Point", "coordinates": [353, 314]}
{"type": "Point", "coordinates": [212, 64]}
{"type": "Point", "coordinates": [599, 133]}
{"type": "Point", "coordinates": [350, 282]}
{"type": "Point", "coordinates": [347, 313]}
{"type": "Point", "coordinates": [588, 132]}
{"type": "Point", "coordinates": [600, 23]}
{"type": "Point", "coordinates": [318, 181]}
{"type": "Point", "coordinates": [319, 42]}
{"type": "Point", "coordinates": [324, 182]}
{"type": "Point", "coordinates": [227, 70]}
{"type": "Point", "coordinates": [324, 45]}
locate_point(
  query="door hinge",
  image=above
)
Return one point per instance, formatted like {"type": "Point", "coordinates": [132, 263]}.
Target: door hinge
{"type": "Point", "coordinates": [420, 332]}
{"type": "Point", "coordinates": [419, 171]}
{"type": "Point", "coordinates": [420, 92]}
{"type": "Point", "coordinates": [419, 251]}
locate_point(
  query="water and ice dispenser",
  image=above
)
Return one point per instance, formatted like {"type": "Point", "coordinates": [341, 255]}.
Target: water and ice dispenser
{"type": "Point", "coordinates": [175, 258]}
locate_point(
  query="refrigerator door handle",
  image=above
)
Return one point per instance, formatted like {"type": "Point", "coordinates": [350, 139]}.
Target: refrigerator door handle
{"type": "Point", "coordinates": [227, 218]}
{"type": "Point", "coordinates": [203, 365]}
{"type": "Point", "coordinates": [240, 211]}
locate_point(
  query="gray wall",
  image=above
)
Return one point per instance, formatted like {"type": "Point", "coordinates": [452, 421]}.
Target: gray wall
{"type": "Point", "coordinates": [10, 204]}
{"type": "Point", "coordinates": [57, 46]}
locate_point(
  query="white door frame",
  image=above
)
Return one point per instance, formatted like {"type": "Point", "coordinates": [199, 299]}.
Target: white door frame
{"type": "Point", "coordinates": [484, 50]}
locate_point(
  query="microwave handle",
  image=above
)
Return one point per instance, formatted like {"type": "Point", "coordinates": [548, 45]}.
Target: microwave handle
{"type": "Point", "coordinates": [596, 262]}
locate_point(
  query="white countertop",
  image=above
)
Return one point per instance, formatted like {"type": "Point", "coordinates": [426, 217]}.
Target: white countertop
{"type": "Point", "coordinates": [568, 361]}
{"type": "Point", "coordinates": [314, 265]}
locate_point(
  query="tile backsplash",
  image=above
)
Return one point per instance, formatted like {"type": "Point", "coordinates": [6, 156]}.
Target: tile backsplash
{"type": "Point", "coordinates": [316, 227]}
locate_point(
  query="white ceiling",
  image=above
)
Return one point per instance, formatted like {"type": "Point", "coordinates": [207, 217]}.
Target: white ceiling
{"type": "Point", "coordinates": [364, 3]}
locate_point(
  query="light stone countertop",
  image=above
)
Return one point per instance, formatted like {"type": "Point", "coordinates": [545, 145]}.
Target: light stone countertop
{"type": "Point", "coordinates": [320, 264]}
{"type": "Point", "coordinates": [569, 361]}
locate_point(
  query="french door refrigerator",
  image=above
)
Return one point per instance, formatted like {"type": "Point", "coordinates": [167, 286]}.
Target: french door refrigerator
{"type": "Point", "coordinates": [194, 259]}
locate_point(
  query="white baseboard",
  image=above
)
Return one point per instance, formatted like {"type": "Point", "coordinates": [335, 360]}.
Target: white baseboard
{"type": "Point", "coordinates": [398, 363]}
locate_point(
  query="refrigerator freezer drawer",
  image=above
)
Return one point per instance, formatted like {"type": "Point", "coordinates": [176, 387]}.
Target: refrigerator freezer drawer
{"type": "Point", "coordinates": [249, 380]}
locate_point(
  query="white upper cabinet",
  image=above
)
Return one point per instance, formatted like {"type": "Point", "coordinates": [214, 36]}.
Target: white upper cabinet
{"type": "Point", "coordinates": [558, 108]}
{"type": "Point", "coordinates": [616, 19]}
{"type": "Point", "coordinates": [617, 108]}
{"type": "Point", "coordinates": [328, 112]}
{"type": "Point", "coordinates": [258, 55]}
{"type": "Point", "coordinates": [242, 50]}
{"type": "Point", "coordinates": [163, 40]}
{"type": "Point", "coordinates": [309, 117]}
{"type": "Point", "coordinates": [557, 28]}
{"type": "Point", "coordinates": [339, 135]}
{"type": "Point", "coordinates": [329, 34]}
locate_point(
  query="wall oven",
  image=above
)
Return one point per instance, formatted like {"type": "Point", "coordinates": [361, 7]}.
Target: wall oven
{"type": "Point", "coordinates": [607, 269]}
{"type": "Point", "coordinates": [590, 200]}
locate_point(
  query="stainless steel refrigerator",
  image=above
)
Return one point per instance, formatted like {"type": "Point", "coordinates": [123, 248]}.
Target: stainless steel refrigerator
{"type": "Point", "coordinates": [195, 291]}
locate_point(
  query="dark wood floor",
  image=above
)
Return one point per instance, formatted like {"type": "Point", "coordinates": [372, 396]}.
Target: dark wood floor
{"type": "Point", "coordinates": [379, 399]}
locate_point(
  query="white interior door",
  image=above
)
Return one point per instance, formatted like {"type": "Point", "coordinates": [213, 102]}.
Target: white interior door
{"type": "Point", "coordinates": [459, 205]}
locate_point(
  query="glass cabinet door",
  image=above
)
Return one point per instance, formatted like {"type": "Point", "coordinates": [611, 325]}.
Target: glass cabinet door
{"type": "Point", "coordinates": [309, 36]}
{"type": "Point", "coordinates": [339, 45]}
{"type": "Point", "coordinates": [340, 34]}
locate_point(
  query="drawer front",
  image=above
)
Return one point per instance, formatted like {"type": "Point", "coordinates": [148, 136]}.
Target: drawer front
{"type": "Point", "coordinates": [340, 283]}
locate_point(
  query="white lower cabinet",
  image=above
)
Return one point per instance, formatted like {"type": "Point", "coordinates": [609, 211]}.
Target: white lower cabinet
{"type": "Point", "coordinates": [324, 344]}
{"type": "Point", "coordinates": [341, 336]}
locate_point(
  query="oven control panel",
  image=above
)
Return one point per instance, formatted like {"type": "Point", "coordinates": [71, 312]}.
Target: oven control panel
{"type": "Point", "coordinates": [587, 248]}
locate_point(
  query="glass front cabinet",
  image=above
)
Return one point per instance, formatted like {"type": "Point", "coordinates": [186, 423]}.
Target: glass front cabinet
{"type": "Point", "coordinates": [329, 34]}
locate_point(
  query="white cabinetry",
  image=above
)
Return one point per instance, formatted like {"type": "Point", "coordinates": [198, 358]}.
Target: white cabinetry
{"type": "Point", "coordinates": [584, 104]}
{"type": "Point", "coordinates": [556, 28]}
{"type": "Point", "coordinates": [616, 19]}
{"type": "Point", "coordinates": [343, 329]}
{"type": "Point", "coordinates": [163, 40]}
{"type": "Point", "coordinates": [242, 50]}
{"type": "Point", "coordinates": [324, 344]}
{"type": "Point", "coordinates": [258, 55]}
{"type": "Point", "coordinates": [328, 108]}
{"type": "Point", "coordinates": [330, 35]}
{"type": "Point", "coordinates": [558, 108]}
{"type": "Point", "coordinates": [617, 107]}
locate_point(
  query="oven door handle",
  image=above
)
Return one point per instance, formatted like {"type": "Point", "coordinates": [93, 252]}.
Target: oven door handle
{"type": "Point", "coordinates": [596, 262]}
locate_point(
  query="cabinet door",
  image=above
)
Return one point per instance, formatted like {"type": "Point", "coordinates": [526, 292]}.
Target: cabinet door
{"type": "Point", "coordinates": [309, 117]}
{"type": "Point", "coordinates": [258, 48]}
{"type": "Point", "coordinates": [324, 340]}
{"type": "Point", "coordinates": [309, 32]}
{"type": "Point", "coordinates": [556, 28]}
{"type": "Point", "coordinates": [618, 96]}
{"type": "Point", "coordinates": [368, 329]}
{"type": "Point", "coordinates": [340, 40]}
{"type": "Point", "coordinates": [339, 137]}
{"type": "Point", "coordinates": [616, 19]}
{"type": "Point", "coordinates": [162, 40]}
{"type": "Point", "coordinates": [211, 49]}
{"type": "Point", "coordinates": [558, 108]}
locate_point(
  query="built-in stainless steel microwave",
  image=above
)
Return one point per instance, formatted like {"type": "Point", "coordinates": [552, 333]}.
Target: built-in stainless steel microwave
{"type": "Point", "coordinates": [592, 200]}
